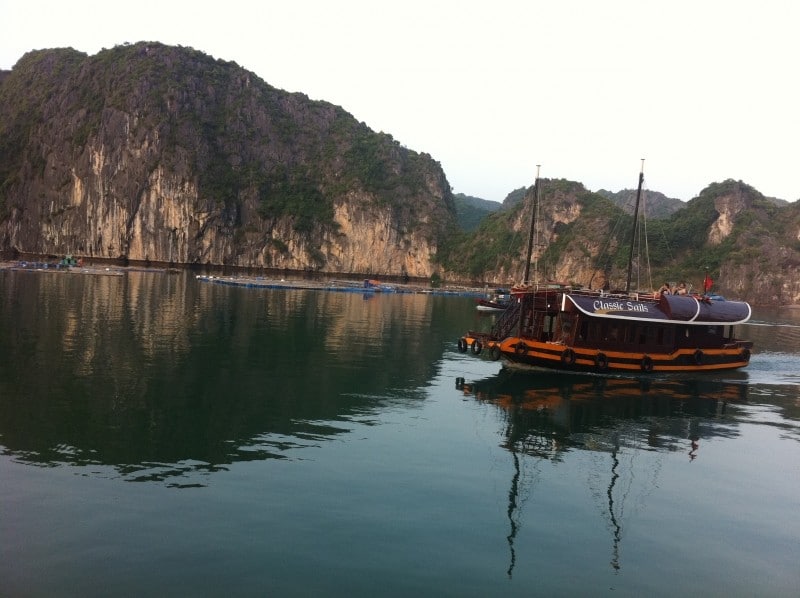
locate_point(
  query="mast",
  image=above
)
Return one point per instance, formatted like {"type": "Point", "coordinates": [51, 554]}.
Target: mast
{"type": "Point", "coordinates": [635, 223]}
{"type": "Point", "coordinates": [533, 227]}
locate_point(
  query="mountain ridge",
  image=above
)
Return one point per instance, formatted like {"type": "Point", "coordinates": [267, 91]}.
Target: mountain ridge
{"type": "Point", "coordinates": [148, 152]}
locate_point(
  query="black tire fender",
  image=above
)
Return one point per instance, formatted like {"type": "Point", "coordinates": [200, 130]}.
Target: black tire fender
{"type": "Point", "coordinates": [495, 352]}
{"type": "Point", "coordinates": [568, 357]}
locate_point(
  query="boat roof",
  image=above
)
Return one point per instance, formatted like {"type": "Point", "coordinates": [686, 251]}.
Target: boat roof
{"type": "Point", "coordinates": [670, 309]}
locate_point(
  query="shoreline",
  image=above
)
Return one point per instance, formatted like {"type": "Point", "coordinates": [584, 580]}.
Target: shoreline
{"type": "Point", "coordinates": [287, 280]}
{"type": "Point", "coordinates": [363, 285]}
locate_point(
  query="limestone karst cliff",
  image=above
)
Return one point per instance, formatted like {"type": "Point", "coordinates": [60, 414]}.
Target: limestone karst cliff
{"type": "Point", "coordinates": [150, 152]}
{"type": "Point", "coordinates": [748, 244]}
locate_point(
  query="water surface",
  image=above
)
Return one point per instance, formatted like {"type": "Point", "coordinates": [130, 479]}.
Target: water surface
{"type": "Point", "coordinates": [160, 435]}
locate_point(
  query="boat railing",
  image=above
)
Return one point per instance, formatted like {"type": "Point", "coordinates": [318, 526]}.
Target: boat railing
{"type": "Point", "coordinates": [507, 322]}
{"type": "Point", "coordinates": [633, 295]}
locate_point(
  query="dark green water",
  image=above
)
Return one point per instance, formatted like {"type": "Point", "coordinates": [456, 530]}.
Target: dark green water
{"type": "Point", "coordinates": [165, 436]}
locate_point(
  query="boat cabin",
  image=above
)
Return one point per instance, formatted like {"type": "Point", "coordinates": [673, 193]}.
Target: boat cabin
{"type": "Point", "coordinates": [580, 330]}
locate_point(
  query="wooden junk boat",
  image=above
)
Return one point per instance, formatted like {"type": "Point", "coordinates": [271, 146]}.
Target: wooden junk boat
{"type": "Point", "coordinates": [557, 327]}
{"type": "Point", "coordinates": [497, 302]}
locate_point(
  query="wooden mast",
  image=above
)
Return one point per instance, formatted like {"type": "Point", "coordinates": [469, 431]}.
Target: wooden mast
{"type": "Point", "coordinates": [535, 208]}
{"type": "Point", "coordinates": [635, 223]}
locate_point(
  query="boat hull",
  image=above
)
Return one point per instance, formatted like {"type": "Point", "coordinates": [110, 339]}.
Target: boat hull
{"type": "Point", "coordinates": [489, 305]}
{"type": "Point", "coordinates": [556, 356]}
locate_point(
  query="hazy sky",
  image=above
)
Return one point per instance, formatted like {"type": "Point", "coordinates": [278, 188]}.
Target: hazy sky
{"type": "Point", "coordinates": [704, 90]}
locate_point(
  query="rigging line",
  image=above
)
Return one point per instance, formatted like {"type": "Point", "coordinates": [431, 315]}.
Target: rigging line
{"type": "Point", "coordinates": [501, 264]}
{"type": "Point", "coordinates": [533, 228]}
{"type": "Point", "coordinates": [637, 244]}
{"type": "Point", "coordinates": [640, 239]}
{"type": "Point", "coordinates": [508, 219]}
{"type": "Point", "coordinates": [642, 244]}
{"type": "Point", "coordinates": [646, 241]}
{"type": "Point", "coordinates": [635, 227]}
{"type": "Point", "coordinates": [537, 214]}
{"type": "Point", "coordinates": [604, 258]}
{"type": "Point", "coordinates": [662, 237]}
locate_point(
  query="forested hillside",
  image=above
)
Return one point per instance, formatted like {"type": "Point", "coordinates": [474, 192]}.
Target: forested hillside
{"type": "Point", "coordinates": [152, 153]}
{"type": "Point", "coordinates": [747, 243]}
{"type": "Point", "coordinates": [653, 203]}
{"type": "Point", "coordinates": [470, 211]}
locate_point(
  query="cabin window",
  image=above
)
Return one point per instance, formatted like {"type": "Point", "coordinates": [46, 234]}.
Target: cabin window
{"type": "Point", "coordinates": [643, 333]}
{"type": "Point", "coordinates": [630, 335]}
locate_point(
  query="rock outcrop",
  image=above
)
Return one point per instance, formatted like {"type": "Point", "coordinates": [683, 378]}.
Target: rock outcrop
{"type": "Point", "coordinates": [746, 242]}
{"type": "Point", "coordinates": [154, 153]}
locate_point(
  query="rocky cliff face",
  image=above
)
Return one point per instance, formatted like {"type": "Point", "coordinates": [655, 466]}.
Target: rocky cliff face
{"type": "Point", "coordinates": [148, 152]}
{"type": "Point", "coordinates": [573, 230]}
{"type": "Point", "coordinates": [728, 207]}
{"type": "Point", "coordinates": [764, 264]}
{"type": "Point", "coordinates": [154, 153]}
{"type": "Point", "coordinates": [749, 245]}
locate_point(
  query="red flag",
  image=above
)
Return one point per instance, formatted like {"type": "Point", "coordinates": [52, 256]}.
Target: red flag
{"type": "Point", "coordinates": [707, 283]}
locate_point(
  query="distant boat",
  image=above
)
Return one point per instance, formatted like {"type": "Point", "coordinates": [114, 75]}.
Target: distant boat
{"type": "Point", "coordinates": [499, 301]}
{"type": "Point", "coordinates": [558, 327]}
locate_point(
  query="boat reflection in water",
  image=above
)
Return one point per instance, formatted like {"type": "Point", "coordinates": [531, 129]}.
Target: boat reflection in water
{"type": "Point", "coordinates": [548, 415]}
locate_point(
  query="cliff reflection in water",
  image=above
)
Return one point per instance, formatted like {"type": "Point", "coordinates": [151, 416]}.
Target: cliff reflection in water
{"type": "Point", "coordinates": [159, 376]}
{"type": "Point", "coordinates": [547, 415]}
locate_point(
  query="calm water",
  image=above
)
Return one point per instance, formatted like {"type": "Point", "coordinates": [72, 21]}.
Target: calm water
{"type": "Point", "coordinates": [165, 436]}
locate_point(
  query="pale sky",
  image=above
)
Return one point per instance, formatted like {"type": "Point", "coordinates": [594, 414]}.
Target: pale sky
{"type": "Point", "coordinates": [704, 90]}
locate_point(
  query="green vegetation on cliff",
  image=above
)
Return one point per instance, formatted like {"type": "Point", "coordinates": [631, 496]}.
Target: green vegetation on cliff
{"type": "Point", "coordinates": [470, 211]}
{"type": "Point", "coordinates": [240, 172]}
{"type": "Point", "coordinates": [729, 228]}
{"type": "Point", "coordinates": [238, 139]}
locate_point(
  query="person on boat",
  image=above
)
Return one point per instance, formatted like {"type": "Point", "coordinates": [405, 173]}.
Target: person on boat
{"type": "Point", "coordinates": [681, 289]}
{"type": "Point", "coordinates": [665, 289]}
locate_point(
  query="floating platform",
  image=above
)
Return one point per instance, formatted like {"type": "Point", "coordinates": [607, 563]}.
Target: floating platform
{"type": "Point", "coordinates": [60, 268]}
{"type": "Point", "coordinates": [340, 286]}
